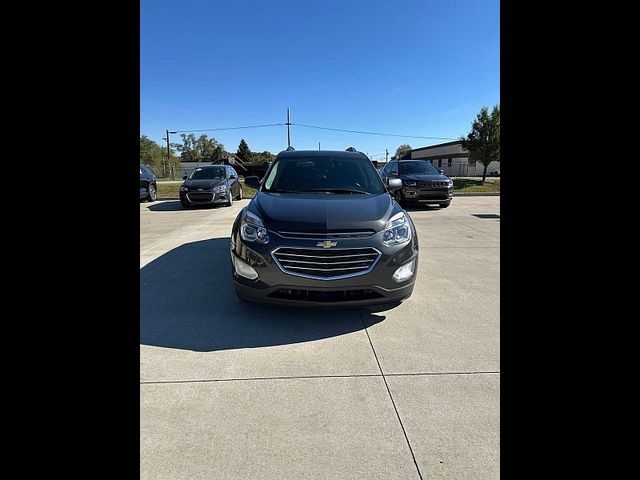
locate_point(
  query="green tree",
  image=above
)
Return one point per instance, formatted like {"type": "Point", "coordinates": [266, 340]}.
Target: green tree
{"type": "Point", "coordinates": [201, 149]}
{"type": "Point", "coordinates": [155, 157]}
{"type": "Point", "coordinates": [262, 157]}
{"type": "Point", "coordinates": [401, 151]}
{"type": "Point", "coordinates": [483, 142]}
{"type": "Point", "coordinates": [243, 153]}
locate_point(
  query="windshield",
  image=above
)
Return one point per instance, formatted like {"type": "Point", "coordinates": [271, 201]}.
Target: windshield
{"type": "Point", "coordinates": [207, 173]}
{"type": "Point", "coordinates": [408, 168]}
{"type": "Point", "coordinates": [336, 175]}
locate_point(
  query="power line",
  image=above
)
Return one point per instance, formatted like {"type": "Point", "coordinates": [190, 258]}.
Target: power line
{"type": "Point", "coordinates": [371, 133]}
{"type": "Point", "coordinates": [230, 128]}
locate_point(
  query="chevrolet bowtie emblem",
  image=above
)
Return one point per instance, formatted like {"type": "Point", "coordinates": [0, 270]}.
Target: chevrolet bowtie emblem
{"type": "Point", "coordinates": [326, 244]}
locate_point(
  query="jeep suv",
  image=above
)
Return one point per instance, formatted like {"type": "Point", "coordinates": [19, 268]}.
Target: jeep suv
{"type": "Point", "coordinates": [323, 230]}
{"type": "Point", "coordinates": [422, 183]}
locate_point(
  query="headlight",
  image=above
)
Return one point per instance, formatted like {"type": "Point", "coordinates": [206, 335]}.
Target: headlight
{"type": "Point", "coordinates": [450, 183]}
{"type": "Point", "coordinates": [397, 230]}
{"type": "Point", "coordinates": [252, 228]}
{"type": "Point", "coordinates": [409, 184]}
{"type": "Point", "coordinates": [184, 189]}
{"type": "Point", "coordinates": [220, 189]}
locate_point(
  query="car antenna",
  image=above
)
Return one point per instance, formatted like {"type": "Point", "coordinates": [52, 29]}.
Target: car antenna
{"type": "Point", "coordinates": [290, 149]}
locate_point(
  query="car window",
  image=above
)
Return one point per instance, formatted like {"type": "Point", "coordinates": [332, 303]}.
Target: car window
{"type": "Point", "coordinates": [207, 173]}
{"type": "Point", "coordinates": [408, 168]}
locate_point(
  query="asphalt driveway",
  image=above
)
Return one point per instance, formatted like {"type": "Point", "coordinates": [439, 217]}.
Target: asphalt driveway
{"type": "Point", "coordinates": [232, 390]}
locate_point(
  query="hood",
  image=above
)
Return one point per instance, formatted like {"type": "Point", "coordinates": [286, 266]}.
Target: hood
{"type": "Point", "coordinates": [205, 183]}
{"type": "Point", "coordinates": [323, 212]}
{"type": "Point", "coordinates": [424, 177]}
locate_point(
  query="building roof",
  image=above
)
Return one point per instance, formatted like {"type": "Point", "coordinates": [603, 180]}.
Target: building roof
{"type": "Point", "coordinates": [446, 144]}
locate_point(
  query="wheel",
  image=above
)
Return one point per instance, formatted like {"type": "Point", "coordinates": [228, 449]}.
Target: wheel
{"type": "Point", "coordinates": [240, 193]}
{"type": "Point", "coordinates": [152, 193]}
{"type": "Point", "coordinates": [445, 204]}
{"type": "Point", "coordinates": [230, 201]}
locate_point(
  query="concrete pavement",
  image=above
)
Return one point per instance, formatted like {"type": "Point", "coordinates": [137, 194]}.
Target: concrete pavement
{"type": "Point", "coordinates": [236, 390]}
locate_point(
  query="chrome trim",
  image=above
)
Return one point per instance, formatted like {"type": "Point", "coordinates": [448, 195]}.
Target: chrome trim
{"type": "Point", "coordinates": [324, 236]}
{"type": "Point", "coordinates": [335, 277]}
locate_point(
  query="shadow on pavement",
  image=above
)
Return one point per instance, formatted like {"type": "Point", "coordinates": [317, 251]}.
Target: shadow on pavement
{"type": "Point", "coordinates": [174, 205]}
{"type": "Point", "coordinates": [187, 302]}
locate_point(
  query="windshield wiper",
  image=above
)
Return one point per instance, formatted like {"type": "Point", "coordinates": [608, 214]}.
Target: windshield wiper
{"type": "Point", "coordinates": [280, 190]}
{"type": "Point", "coordinates": [337, 190]}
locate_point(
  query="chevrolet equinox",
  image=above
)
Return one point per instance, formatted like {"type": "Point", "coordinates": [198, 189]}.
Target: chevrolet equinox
{"type": "Point", "coordinates": [323, 230]}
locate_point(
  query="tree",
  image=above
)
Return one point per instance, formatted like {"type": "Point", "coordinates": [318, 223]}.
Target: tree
{"type": "Point", "coordinates": [262, 157]}
{"type": "Point", "coordinates": [243, 153]}
{"type": "Point", "coordinates": [201, 149]}
{"type": "Point", "coordinates": [401, 151]}
{"type": "Point", "coordinates": [155, 157]}
{"type": "Point", "coordinates": [483, 142]}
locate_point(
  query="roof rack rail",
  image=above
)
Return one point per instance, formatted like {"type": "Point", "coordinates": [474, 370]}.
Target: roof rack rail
{"type": "Point", "coordinates": [290, 149]}
{"type": "Point", "coordinates": [350, 149]}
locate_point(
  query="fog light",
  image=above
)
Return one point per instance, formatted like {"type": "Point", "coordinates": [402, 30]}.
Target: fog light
{"type": "Point", "coordinates": [404, 272]}
{"type": "Point", "coordinates": [243, 269]}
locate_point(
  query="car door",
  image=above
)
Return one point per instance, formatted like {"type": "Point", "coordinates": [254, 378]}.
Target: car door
{"type": "Point", "coordinates": [144, 182]}
{"type": "Point", "coordinates": [234, 186]}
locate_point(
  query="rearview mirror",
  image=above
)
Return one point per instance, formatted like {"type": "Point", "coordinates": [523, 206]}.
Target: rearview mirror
{"type": "Point", "coordinates": [253, 182]}
{"type": "Point", "coordinates": [395, 183]}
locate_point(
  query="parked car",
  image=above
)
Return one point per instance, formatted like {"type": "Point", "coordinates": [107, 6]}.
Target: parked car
{"type": "Point", "coordinates": [148, 185]}
{"type": "Point", "coordinates": [210, 185]}
{"type": "Point", "coordinates": [495, 173]}
{"type": "Point", "coordinates": [323, 230]}
{"type": "Point", "coordinates": [422, 183]}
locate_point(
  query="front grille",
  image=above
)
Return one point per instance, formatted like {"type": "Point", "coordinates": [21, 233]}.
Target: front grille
{"type": "Point", "coordinates": [326, 264]}
{"type": "Point", "coordinates": [324, 296]}
{"type": "Point", "coordinates": [432, 184]}
{"type": "Point", "coordinates": [200, 197]}
{"type": "Point", "coordinates": [324, 235]}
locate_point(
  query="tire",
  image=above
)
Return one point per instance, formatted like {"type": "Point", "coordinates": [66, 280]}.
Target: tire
{"type": "Point", "coordinates": [230, 201]}
{"type": "Point", "coordinates": [185, 205]}
{"type": "Point", "coordinates": [445, 204]}
{"type": "Point", "coordinates": [240, 193]}
{"type": "Point", "coordinates": [152, 193]}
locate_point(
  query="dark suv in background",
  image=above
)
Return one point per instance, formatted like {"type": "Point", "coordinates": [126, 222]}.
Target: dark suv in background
{"type": "Point", "coordinates": [148, 185]}
{"type": "Point", "coordinates": [211, 185]}
{"type": "Point", "coordinates": [422, 183]}
{"type": "Point", "coordinates": [323, 230]}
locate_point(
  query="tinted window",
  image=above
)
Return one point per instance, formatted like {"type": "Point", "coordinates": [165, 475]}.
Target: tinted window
{"type": "Point", "coordinates": [408, 168]}
{"type": "Point", "coordinates": [304, 174]}
{"type": "Point", "coordinates": [207, 173]}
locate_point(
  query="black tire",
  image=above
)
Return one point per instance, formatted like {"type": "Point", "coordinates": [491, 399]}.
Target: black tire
{"type": "Point", "coordinates": [230, 201]}
{"type": "Point", "coordinates": [152, 192]}
{"type": "Point", "coordinates": [445, 204]}
{"type": "Point", "coordinates": [240, 193]}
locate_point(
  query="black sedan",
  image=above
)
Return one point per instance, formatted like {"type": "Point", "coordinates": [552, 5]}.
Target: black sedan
{"type": "Point", "coordinates": [422, 183]}
{"type": "Point", "coordinates": [211, 185]}
{"type": "Point", "coordinates": [148, 185]}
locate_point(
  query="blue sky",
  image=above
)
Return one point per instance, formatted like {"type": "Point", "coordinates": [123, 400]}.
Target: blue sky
{"type": "Point", "coordinates": [421, 67]}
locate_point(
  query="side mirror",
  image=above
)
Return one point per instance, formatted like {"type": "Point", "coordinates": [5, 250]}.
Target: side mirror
{"type": "Point", "coordinates": [253, 182]}
{"type": "Point", "coordinates": [393, 174]}
{"type": "Point", "coordinates": [231, 177]}
{"type": "Point", "coordinates": [394, 183]}
{"type": "Point", "coordinates": [184, 177]}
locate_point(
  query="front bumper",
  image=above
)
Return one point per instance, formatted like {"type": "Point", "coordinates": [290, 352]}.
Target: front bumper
{"type": "Point", "coordinates": [427, 195]}
{"type": "Point", "coordinates": [375, 287]}
{"type": "Point", "coordinates": [202, 197]}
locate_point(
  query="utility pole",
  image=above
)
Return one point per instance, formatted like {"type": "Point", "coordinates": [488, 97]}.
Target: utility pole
{"type": "Point", "coordinates": [318, 145]}
{"type": "Point", "coordinates": [386, 155]}
{"type": "Point", "coordinates": [288, 128]}
{"type": "Point", "coordinates": [168, 148]}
